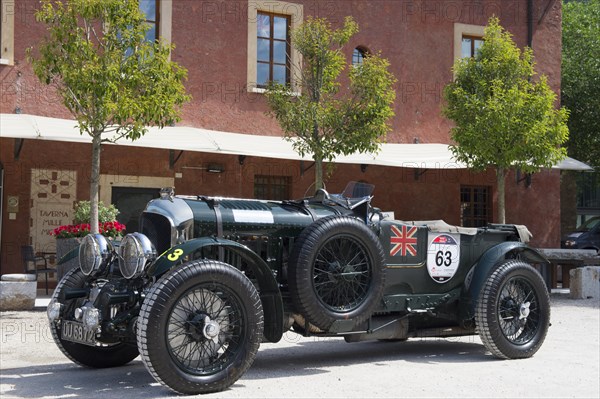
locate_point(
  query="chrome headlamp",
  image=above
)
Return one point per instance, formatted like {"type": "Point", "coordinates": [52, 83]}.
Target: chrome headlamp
{"type": "Point", "coordinates": [135, 251]}
{"type": "Point", "coordinates": [93, 252]}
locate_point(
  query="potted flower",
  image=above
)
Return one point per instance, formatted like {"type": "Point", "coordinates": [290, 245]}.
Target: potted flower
{"type": "Point", "coordinates": [69, 236]}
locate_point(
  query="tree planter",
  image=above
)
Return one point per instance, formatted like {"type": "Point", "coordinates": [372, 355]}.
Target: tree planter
{"type": "Point", "coordinates": [63, 247]}
{"type": "Point", "coordinates": [69, 237]}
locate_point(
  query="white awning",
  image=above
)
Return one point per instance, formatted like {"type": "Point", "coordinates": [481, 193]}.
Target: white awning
{"type": "Point", "coordinates": [423, 156]}
{"type": "Point", "coordinates": [572, 164]}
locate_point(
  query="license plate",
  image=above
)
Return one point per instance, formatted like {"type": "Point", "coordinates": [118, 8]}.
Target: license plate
{"type": "Point", "coordinates": [74, 332]}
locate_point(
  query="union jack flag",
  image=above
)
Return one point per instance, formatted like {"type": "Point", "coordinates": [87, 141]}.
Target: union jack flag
{"type": "Point", "coordinates": [403, 241]}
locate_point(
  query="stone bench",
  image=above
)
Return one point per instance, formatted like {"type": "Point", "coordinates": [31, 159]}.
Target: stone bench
{"type": "Point", "coordinates": [585, 282]}
{"type": "Point", "coordinates": [18, 291]}
{"type": "Point", "coordinates": [566, 260]}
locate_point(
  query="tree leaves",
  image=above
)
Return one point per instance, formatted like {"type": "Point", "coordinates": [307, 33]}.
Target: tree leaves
{"type": "Point", "coordinates": [581, 78]}
{"type": "Point", "coordinates": [504, 114]}
{"type": "Point", "coordinates": [324, 120]}
{"type": "Point", "coordinates": [110, 78]}
{"type": "Point", "coordinates": [504, 117]}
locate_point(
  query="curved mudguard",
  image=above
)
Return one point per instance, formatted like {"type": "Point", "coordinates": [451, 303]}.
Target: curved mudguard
{"type": "Point", "coordinates": [72, 254]}
{"type": "Point", "coordinates": [270, 295]}
{"type": "Point", "coordinates": [484, 268]}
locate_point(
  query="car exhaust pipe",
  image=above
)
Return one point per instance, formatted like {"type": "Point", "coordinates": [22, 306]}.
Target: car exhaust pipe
{"type": "Point", "coordinates": [381, 328]}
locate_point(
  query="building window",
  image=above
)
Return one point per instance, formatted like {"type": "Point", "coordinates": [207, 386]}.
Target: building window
{"type": "Point", "coordinates": [470, 46]}
{"type": "Point", "coordinates": [151, 9]}
{"type": "Point", "coordinates": [467, 39]}
{"type": "Point", "coordinates": [271, 57]}
{"type": "Point", "coordinates": [475, 206]}
{"type": "Point", "coordinates": [276, 188]}
{"type": "Point", "coordinates": [272, 49]}
{"type": "Point", "coordinates": [358, 56]}
{"type": "Point", "coordinates": [588, 196]}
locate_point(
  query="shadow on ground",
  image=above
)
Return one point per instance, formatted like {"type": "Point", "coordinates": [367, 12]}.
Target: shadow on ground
{"type": "Point", "coordinates": [307, 357]}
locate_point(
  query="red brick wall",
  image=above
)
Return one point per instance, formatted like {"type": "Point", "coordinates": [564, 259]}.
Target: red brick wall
{"type": "Point", "coordinates": [211, 42]}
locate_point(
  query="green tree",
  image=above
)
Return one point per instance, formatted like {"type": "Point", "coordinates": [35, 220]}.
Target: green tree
{"type": "Point", "coordinates": [581, 78]}
{"type": "Point", "coordinates": [109, 77]}
{"type": "Point", "coordinates": [504, 118]}
{"type": "Point", "coordinates": [315, 115]}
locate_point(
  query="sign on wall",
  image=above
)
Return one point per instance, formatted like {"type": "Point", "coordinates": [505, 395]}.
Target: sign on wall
{"type": "Point", "coordinates": [53, 193]}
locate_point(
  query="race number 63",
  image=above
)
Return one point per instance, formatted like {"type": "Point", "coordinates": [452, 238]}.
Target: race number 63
{"type": "Point", "coordinates": [443, 256]}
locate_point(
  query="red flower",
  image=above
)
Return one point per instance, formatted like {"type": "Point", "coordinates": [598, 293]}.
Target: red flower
{"type": "Point", "coordinates": [108, 229]}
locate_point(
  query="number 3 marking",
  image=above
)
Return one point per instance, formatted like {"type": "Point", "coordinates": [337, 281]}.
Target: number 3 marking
{"type": "Point", "coordinates": [175, 255]}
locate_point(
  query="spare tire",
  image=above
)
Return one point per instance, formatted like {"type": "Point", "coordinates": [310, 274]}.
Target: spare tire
{"type": "Point", "coordinates": [336, 271]}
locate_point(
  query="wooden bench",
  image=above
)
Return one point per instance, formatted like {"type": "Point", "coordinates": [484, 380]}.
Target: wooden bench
{"type": "Point", "coordinates": [567, 259]}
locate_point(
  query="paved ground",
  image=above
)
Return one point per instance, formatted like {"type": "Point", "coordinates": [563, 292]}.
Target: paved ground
{"type": "Point", "coordinates": [566, 366]}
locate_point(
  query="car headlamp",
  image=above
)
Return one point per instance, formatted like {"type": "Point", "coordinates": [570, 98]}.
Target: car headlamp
{"type": "Point", "coordinates": [571, 243]}
{"type": "Point", "coordinates": [93, 252]}
{"type": "Point", "coordinates": [53, 310]}
{"type": "Point", "coordinates": [135, 251]}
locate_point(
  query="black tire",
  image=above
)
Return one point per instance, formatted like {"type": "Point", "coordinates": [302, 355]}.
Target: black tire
{"type": "Point", "coordinates": [336, 271]}
{"type": "Point", "coordinates": [102, 356]}
{"type": "Point", "coordinates": [513, 311]}
{"type": "Point", "coordinates": [200, 327]}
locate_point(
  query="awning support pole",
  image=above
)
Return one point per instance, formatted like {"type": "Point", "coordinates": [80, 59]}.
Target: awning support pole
{"type": "Point", "coordinates": [303, 169]}
{"type": "Point", "coordinates": [526, 178]}
{"type": "Point", "coordinates": [419, 172]}
{"type": "Point", "coordinates": [18, 147]}
{"type": "Point", "coordinates": [172, 159]}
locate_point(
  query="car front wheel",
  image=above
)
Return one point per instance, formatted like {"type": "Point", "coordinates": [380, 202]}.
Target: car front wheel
{"type": "Point", "coordinates": [98, 356]}
{"type": "Point", "coordinates": [200, 327]}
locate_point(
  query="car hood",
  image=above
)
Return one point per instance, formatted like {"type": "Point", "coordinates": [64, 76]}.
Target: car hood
{"type": "Point", "coordinates": [575, 234]}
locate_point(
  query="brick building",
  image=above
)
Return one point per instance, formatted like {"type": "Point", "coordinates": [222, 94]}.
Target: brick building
{"type": "Point", "coordinates": [219, 42]}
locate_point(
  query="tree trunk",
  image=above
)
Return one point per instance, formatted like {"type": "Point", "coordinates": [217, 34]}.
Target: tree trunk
{"type": "Point", "coordinates": [95, 183]}
{"type": "Point", "coordinates": [317, 157]}
{"type": "Point", "coordinates": [318, 173]}
{"type": "Point", "coordinates": [500, 178]}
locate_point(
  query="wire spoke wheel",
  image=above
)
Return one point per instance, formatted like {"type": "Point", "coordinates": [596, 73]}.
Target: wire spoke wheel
{"type": "Point", "coordinates": [336, 272]}
{"type": "Point", "coordinates": [518, 311]}
{"type": "Point", "coordinates": [513, 311]}
{"type": "Point", "coordinates": [200, 327]}
{"type": "Point", "coordinates": [342, 274]}
{"type": "Point", "coordinates": [204, 330]}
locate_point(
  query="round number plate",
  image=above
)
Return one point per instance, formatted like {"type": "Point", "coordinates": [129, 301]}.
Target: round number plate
{"type": "Point", "coordinates": [443, 256]}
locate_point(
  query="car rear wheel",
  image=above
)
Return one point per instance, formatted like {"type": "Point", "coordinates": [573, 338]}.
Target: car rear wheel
{"type": "Point", "coordinates": [200, 327]}
{"type": "Point", "coordinates": [513, 311]}
{"type": "Point", "coordinates": [337, 271]}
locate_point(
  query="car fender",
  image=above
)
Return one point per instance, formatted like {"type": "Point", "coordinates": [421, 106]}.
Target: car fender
{"type": "Point", "coordinates": [270, 295]}
{"type": "Point", "coordinates": [72, 254]}
{"type": "Point", "coordinates": [485, 265]}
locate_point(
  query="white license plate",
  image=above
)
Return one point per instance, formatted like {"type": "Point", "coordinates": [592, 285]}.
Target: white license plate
{"type": "Point", "coordinates": [74, 332]}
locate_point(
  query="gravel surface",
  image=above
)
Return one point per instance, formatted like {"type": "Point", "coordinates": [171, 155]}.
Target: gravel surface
{"type": "Point", "coordinates": [567, 365]}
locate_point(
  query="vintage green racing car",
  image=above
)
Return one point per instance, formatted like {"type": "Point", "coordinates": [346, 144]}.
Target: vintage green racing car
{"type": "Point", "coordinates": [207, 279]}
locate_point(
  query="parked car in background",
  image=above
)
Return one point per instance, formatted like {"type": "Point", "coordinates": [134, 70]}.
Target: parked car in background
{"type": "Point", "coordinates": [587, 236]}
